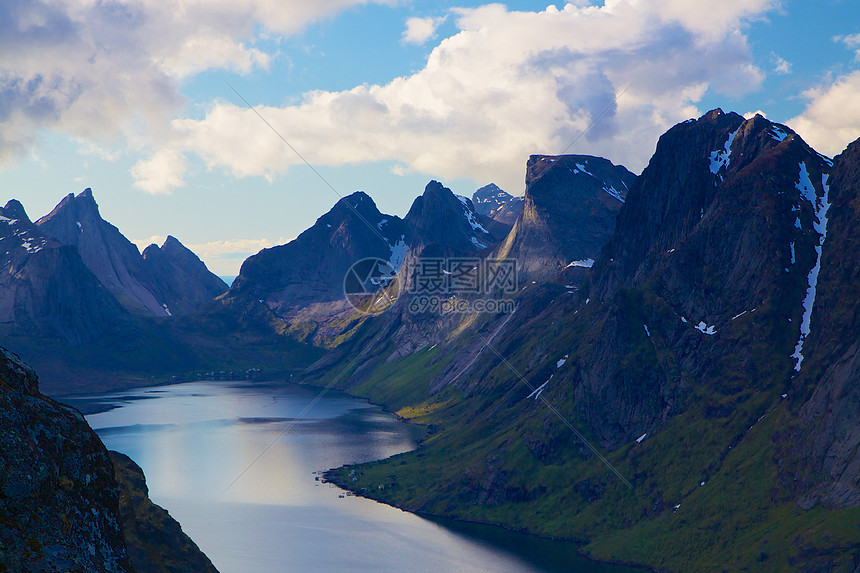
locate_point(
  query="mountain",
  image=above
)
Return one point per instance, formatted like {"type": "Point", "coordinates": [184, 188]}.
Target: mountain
{"type": "Point", "coordinates": [820, 447]}
{"type": "Point", "coordinates": [438, 217]}
{"type": "Point", "coordinates": [289, 276]}
{"type": "Point", "coordinates": [45, 288]}
{"type": "Point", "coordinates": [112, 258]}
{"type": "Point", "coordinates": [288, 283]}
{"type": "Point", "coordinates": [498, 205]}
{"type": "Point", "coordinates": [689, 402]}
{"type": "Point", "coordinates": [569, 211]}
{"type": "Point", "coordinates": [159, 288]}
{"type": "Point", "coordinates": [59, 504]}
{"type": "Point", "coordinates": [180, 277]}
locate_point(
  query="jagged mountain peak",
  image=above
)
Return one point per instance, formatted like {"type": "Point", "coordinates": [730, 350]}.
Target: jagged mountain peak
{"type": "Point", "coordinates": [141, 288]}
{"type": "Point", "coordinates": [181, 280]}
{"type": "Point", "coordinates": [442, 218]}
{"type": "Point", "coordinates": [569, 211]}
{"type": "Point", "coordinates": [15, 210]}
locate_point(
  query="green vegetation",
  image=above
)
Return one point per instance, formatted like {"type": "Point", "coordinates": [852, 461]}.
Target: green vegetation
{"type": "Point", "coordinates": [706, 490]}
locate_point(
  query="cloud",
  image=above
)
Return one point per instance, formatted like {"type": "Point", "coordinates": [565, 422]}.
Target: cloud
{"type": "Point", "coordinates": [780, 65]}
{"type": "Point", "coordinates": [831, 119]}
{"type": "Point", "coordinates": [161, 173]}
{"type": "Point", "coordinates": [507, 85]}
{"type": "Point", "coordinates": [221, 257]}
{"type": "Point", "coordinates": [110, 72]}
{"type": "Point", "coordinates": [851, 41]}
{"type": "Point", "coordinates": [225, 257]}
{"type": "Point", "coordinates": [420, 30]}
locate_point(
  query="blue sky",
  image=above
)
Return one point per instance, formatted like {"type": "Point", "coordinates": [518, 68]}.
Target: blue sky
{"type": "Point", "coordinates": [131, 98]}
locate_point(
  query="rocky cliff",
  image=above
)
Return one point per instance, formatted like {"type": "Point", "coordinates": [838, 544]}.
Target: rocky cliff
{"type": "Point", "coordinates": [173, 281]}
{"type": "Point", "coordinates": [181, 279]}
{"type": "Point", "coordinates": [569, 211]}
{"type": "Point", "coordinates": [59, 503]}
{"type": "Point", "coordinates": [155, 541]}
{"type": "Point", "coordinates": [60, 506]}
{"type": "Point", "coordinates": [45, 288]}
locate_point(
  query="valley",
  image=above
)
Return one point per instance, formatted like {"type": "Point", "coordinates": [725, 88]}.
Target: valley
{"type": "Point", "coordinates": [675, 387]}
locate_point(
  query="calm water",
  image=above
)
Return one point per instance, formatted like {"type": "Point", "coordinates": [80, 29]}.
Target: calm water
{"type": "Point", "coordinates": [194, 440]}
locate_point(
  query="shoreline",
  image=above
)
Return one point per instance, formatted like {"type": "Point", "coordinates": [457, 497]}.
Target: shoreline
{"type": "Point", "coordinates": [330, 475]}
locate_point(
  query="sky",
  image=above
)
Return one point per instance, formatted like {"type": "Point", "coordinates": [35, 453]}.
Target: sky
{"type": "Point", "coordinates": [233, 124]}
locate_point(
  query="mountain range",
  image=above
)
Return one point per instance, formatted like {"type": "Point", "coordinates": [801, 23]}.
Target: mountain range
{"type": "Point", "coordinates": [668, 375]}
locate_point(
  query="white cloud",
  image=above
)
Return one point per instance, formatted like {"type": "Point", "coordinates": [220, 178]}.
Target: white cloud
{"type": "Point", "coordinates": [851, 41]}
{"type": "Point", "coordinates": [152, 240]}
{"type": "Point", "coordinates": [780, 65]}
{"type": "Point", "coordinates": [221, 257]}
{"type": "Point", "coordinates": [109, 72]}
{"type": "Point", "coordinates": [831, 119]}
{"type": "Point", "coordinates": [507, 85]}
{"type": "Point", "coordinates": [162, 173]}
{"type": "Point", "coordinates": [225, 257]}
{"type": "Point", "coordinates": [420, 30]}
{"type": "Point", "coordinates": [752, 114]}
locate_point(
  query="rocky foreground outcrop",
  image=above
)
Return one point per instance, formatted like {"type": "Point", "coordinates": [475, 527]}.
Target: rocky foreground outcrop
{"type": "Point", "coordinates": [61, 508]}
{"type": "Point", "coordinates": [58, 497]}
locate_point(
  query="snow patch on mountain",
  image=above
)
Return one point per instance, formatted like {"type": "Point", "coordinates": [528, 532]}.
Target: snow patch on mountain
{"type": "Point", "coordinates": [705, 329]}
{"type": "Point", "coordinates": [821, 206]}
{"type": "Point", "coordinates": [585, 263]}
{"type": "Point", "coordinates": [399, 250]}
{"type": "Point", "coordinates": [777, 133]}
{"type": "Point", "coordinates": [721, 157]}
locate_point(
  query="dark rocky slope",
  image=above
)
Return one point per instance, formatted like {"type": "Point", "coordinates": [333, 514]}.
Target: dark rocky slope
{"type": "Point", "coordinates": [45, 289]}
{"type": "Point", "coordinates": [181, 279]}
{"type": "Point", "coordinates": [173, 282]}
{"type": "Point", "coordinates": [569, 211]}
{"type": "Point", "coordinates": [60, 506]}
{"type": "Point", "coordinates": [155, 541]}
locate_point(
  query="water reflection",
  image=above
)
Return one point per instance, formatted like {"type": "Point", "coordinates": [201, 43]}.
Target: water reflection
{"type": "Point", "coordinates": [193, 440]}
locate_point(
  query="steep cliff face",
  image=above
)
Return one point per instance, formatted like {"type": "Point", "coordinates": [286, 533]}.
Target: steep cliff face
{"type": "Point", "coordinates": [822, 463]}
{"type": "Point", "coordinates": [156, 542]}
{"type": "Point", "coordinates": [66, 503]}
{"type": "Point", "coordinates": [181, 279]}
{"type": "Point", "coordinates": [438, 217]}
{"type": "Point", "coordinates": [712, 254]}
{"type": "Point", "coordinates": [45, 289]}
{"type": "Point", "coordinates": [571, 202]}
{"type": "Point", "coordinates": [58, 497]}
{"type": "Point", "coordinates": [311, 268]}
{"type": "Point", "coordinates": [112, 258]}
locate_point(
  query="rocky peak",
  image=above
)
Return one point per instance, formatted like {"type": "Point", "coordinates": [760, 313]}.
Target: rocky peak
{"type": "Point", "coordinates": [15, 210]}
{"type": "Point", "coordinates": [569, 211]}
{"type": "Point", "coordinates": [701, 172]}
{"type": "Point", "coordinates": [180, 279]}
{"type": "Point", "coordinates": [501, 208]}
{"type": "Point", "coordinates": [490, 198]}
{"type": "Point", "coordinates": [290, 276]}
{"type": "Point", "coordinates": [438, 217]}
